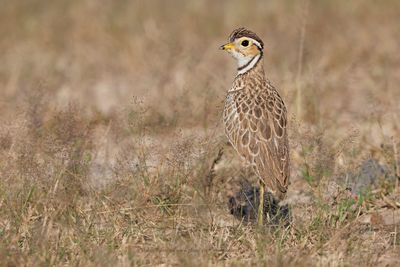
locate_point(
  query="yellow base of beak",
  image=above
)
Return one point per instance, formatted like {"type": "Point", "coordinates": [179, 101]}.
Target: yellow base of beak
{"type": "Point", "coordinates": [227, 46]}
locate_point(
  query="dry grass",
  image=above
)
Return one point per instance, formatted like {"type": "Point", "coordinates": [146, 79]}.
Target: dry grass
{"type": "Point", "coordinates": [110, 114]}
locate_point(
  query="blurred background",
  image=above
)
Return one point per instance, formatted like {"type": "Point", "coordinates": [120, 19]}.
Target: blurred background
{"type": "Point", "coordinates": [110, 121]}
{"type": "Point", "coordinates": [342, 55]}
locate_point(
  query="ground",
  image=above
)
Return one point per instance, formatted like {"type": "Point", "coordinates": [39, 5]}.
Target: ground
{"type": "Point", "coordinates": [111, 133]}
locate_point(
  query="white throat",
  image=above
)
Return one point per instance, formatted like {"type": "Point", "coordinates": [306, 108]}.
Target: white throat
{"type": "Point", "coordinates": [245, 64]}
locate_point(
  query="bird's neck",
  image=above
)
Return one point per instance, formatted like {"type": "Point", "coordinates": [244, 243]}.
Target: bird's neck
{"type": "Point", "coordinates": [250, 78]}
{"type": "Point", "coordinates": [254, 66]}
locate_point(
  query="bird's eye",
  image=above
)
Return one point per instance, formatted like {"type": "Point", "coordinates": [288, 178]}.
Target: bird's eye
{"type": "Point", "coordinates": [245, 43]}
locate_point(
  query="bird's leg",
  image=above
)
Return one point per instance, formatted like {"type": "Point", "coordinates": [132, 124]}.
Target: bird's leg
{"type": "Point", "coordinates": [261, 205]}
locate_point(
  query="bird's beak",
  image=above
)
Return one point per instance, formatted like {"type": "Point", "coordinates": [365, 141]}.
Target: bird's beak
{"type": "Point", "coordinates": [227, 46]}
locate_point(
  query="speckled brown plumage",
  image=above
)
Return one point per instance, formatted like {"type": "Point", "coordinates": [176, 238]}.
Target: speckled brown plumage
{"type": "Point", "coordinates": [255, 123]}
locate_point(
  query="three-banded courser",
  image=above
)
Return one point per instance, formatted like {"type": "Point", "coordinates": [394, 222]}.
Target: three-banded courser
{"type": "Point", "coordinates": [255, 117]}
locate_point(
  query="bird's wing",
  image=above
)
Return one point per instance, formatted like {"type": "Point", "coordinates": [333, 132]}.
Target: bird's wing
{"type": "Point", "coordinates": [256, 127]}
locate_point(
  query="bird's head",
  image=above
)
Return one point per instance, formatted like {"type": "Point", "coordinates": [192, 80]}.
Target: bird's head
{"type": "Point", "coordinates": [246, 47]}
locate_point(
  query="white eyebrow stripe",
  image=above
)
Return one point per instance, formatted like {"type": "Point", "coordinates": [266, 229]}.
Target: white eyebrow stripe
{"type": "Point", "coordinates": [257, 43]}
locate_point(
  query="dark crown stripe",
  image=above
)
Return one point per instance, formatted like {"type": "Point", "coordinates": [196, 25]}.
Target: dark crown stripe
{"type": "Point", "coordinates": [243, 32]}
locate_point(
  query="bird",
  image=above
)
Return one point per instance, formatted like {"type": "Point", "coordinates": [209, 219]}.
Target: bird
{"type": "Point", "coordinates": [255, 117]}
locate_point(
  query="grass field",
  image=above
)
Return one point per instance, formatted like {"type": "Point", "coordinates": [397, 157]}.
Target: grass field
{"type": "Point", "coordinates": [110, 117]}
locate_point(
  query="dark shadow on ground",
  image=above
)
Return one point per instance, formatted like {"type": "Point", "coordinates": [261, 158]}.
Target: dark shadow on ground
{"type": "Point", "coordinates": [244, 206]}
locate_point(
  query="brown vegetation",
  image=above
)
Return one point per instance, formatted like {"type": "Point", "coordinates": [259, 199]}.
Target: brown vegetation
{"type": "Point", "coordinates": [111, 133]}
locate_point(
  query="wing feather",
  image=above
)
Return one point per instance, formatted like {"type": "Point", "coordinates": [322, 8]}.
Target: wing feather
{"type": "Point", "coordinates": [256, 127]}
